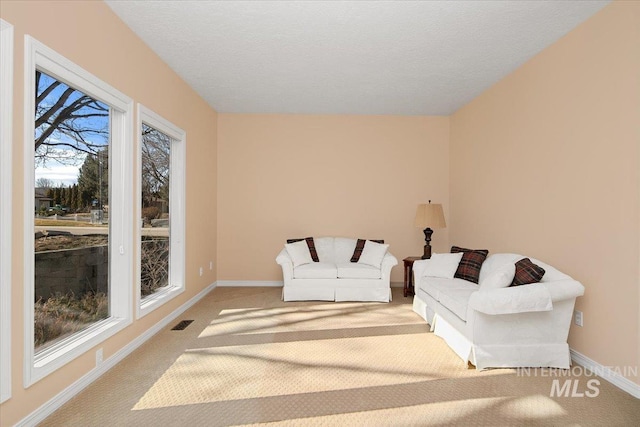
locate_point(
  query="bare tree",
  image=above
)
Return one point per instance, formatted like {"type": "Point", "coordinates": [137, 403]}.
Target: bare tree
{"type": "Point", "coordinates": [44, 183]}
{"type": "Point", "coordinates": [156, 157]}
{"type": "Point", "coordinates": [67, 121]}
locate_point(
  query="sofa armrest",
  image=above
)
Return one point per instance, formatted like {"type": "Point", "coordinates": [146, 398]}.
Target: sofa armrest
{"type": "Point", "coordinates": [285, 261]}
{"type": "Point", "coordinates": [283, 257]}
{"type": "Point", "coordinates": [517, 299]}
{"type": "Point", "coordinates": [389, 260]}
{"type": "Point", "coordinates": [526, 298]}
{"type": "Point", "coordinates": [418, 269]}
{"type": "Point", "coordinates": [561, 290]}
{"type": "Point", "coordinates": [387, 264]}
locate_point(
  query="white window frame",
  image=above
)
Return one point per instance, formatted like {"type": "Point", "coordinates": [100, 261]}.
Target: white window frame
{"type": "Point", "coordinates": [177, 188]}
{"type": "Point", "coordinates": [6, 134]}
{"type": "Point", "coordinates": [38, 365]}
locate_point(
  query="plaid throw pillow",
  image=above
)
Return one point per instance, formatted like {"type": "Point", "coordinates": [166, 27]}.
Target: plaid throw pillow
{"type": "Point", "coordinates": [311, 245]}
{"type": "Point", "coordinates": [470, 264]}
{"type": "Point", "coordinates": [360, 246]}
{"type": "Point", "coordinates": [527, 272]}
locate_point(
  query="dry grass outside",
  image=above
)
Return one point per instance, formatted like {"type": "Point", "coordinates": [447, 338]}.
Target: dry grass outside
{"type": "Point", "coordinates": [59, 316]}
{"type": "Point", "coordinates": [54, 243]}
{"type": "Point", "coordinates": [63, 223]}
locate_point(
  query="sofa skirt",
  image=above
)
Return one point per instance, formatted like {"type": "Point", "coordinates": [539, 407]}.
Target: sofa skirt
{"type": "Point", "coordinates": [326, 293]}
{"type": "Point", "coordinates": [363, 294]}
{"type": "Point", "coordinates": [307, 293]}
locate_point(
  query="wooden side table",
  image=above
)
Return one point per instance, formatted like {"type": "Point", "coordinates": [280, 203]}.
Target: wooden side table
{"type": "Point", "coordinates": [408, 275]}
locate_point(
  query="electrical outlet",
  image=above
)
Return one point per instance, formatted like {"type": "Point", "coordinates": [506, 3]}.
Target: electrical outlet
{"type": "Point", "coordinates": [577, 317]}
{"type": "Point", "coordinates": [98, 356]}
{"type": "Point", "coordinates": [210, 265]}
{"type": "Point", "coordinates": [201, 271]}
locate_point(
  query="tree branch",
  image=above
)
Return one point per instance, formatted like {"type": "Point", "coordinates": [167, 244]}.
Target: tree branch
{"type": "Point", "coordinates": [57, 106]}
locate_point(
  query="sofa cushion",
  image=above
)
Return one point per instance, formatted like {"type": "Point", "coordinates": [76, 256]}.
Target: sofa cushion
{"type": "Point", "coordinates": [310, 244]}
{"type": "Point", "coordinates": [358, 271]}
{"type": "Point", "coordinates": [501, 277]}
{"type": "Point", "coordinates": [343, 248]}
{"type": "Point", "coordinates": [495, 261]}
{"type": "Point", "coordinates": [316, 270]}
{"type": "Point", "coordinates": [373, 253]}
{"type": "Point", "coordinates": [457, 300]}
{"type": "Point", "coordinates": [324, 248]}
{"type": "Point", "coordinates": [299, 253]}
{"type": "Point", "coordinates": [471, 263]}
{"type": "Point", "coordinates": [434, 285]}
{"type": "Point", "coordinates": [442, 265]}
{"type": "Point", "coordinates": [357, 252]}
{"type": "Point", "coordinates": [527, 272]}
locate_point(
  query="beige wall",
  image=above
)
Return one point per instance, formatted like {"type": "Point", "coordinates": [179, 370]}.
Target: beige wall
{"type": "Point", "coordinates": [284, 176]}
{"type": "Point", "coordinates": [90, 35]}
{"type": "Point", "coordinates": [545, 163]}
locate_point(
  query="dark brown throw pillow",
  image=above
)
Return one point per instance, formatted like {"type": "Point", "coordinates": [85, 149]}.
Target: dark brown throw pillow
{"type": "Point", "coordinates": [312, 247]}
{"type": "Point", "coordinates": [527, 272]}
{"type": "Point", "coordinates": [360, 246]}
{"type": "Point", "coordinates": [470, 264]}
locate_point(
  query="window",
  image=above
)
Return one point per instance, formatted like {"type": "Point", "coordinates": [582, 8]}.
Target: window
{"type": "Point", "coordinates": [6, 118]}
{"type": "Point", "coordinates": [161, 206]}
{"type": "Point", "coordinates": [78, 267]}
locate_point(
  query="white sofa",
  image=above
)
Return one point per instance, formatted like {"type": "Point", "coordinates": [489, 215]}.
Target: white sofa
{"type": "Point", "coordinates": [335, 277]}
{"type": "Point", "coordinates": [516, 326]}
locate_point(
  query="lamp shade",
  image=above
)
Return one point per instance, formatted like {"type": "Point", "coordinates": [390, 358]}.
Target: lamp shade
{"type": "Point", "coordinates": [430, 215]}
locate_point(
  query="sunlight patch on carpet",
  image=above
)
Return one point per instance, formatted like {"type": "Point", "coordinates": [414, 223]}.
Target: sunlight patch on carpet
{"type": "Point", "coordinates": [537, 406]}
{"type": "Point", "coordinates": [251, 371]}
{"type": "Point", "coordinates": [316, 316]}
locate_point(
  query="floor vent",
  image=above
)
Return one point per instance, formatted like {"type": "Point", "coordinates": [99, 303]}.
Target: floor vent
{"type": "Point", "coordinates": [182, 325]}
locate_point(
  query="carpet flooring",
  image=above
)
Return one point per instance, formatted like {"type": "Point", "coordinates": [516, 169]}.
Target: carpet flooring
{"type": "Point", "coordinates": [249, 358]}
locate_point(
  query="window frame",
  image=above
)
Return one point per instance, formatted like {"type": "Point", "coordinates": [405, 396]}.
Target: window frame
{"type": "Point", "coordinates": [177, 187]}
{"type": "Point", "coordinates": [38, 365]}
{"type": "Point", "coordinates": [6, 135]}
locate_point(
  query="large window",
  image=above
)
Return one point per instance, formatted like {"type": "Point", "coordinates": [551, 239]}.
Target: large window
{"type": "Point", "coordinates": [77, 245]}
{"type": "Point", "coordinates": [72, 227]}
{"type": "Point", "coordinates": [6, 108]}
{"type": "Point", "coordinates": [161, 207]}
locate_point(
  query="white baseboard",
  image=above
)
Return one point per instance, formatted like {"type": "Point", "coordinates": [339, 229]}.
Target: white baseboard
{"type": "Point", "coordinates": [607, 373]}
{"type": "Point", "coordinates": [242, 283]}
{"type": "Point", "coordinates": [65, 395]}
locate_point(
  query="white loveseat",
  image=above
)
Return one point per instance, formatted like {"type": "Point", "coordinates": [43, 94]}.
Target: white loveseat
{"type": "Point", "coordinates": [335, 277]}
{"type": "Point", "coordinates": [516, 326]}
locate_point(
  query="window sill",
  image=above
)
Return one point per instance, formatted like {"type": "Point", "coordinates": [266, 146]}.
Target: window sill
{"type": "Point", "coordinates": [153, 301]}
{"type": "Point", "coordinates": [58, 355]}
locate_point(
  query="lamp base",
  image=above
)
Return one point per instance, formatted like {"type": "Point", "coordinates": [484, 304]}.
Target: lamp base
{"type": "Point", "coordinates": [427, 240]}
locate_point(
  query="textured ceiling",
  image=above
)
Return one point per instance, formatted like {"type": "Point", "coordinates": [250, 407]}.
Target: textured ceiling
{"type": "Point", "coordinates": [348, 57]}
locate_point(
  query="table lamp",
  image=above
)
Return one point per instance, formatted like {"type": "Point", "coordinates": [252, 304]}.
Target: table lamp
{"type": "Point", "coordinates": [429, 216]}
